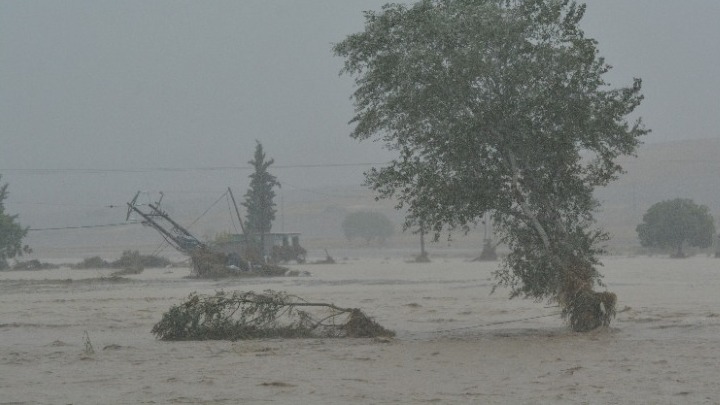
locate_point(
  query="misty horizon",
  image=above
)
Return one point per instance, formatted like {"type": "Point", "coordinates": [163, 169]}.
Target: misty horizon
{"type": "Point", "coordinates": [101, 100]}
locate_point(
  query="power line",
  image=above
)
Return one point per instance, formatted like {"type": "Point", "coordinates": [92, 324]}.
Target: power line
{"type": "Point", "coordinates": [317, 192]}
{"type": "Point", "coordinates": [84, 226]}
{"type": "Point", "coordinates": [181, 169]}
{"type": "Point", "coordinates": [208, 209]}
{"type": "Point", "coordinates": [244, 168]}
{"type": "Point", "coordinates": [52, 204]}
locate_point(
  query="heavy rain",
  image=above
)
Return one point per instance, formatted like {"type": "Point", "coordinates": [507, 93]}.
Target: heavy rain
{"type": "Point", "coordinates": [246, 202]}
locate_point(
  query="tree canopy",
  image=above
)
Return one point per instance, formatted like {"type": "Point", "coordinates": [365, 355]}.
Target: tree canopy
{"type": "Point", "coordinates": [499, 107]}
{"type": "Point", "coordinates": [673, 224]}
{"type": "Point", "coordinates": [368, 226]}
{"type": "Point", "coordinates": [259, 199]}
{"type": "Point", "coordinates": [11, 232]}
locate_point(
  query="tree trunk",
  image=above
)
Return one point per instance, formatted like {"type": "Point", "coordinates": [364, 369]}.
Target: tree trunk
{"type": "Point", "coordinates": [679, 254]}
{"type": "Point", "coordinates": [584, 308]}
{"type": "Point", "coordinates": [523, 204]}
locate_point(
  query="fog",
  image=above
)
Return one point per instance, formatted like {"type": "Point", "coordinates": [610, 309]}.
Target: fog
{"type": "Point", "coordinates": [101, 99]}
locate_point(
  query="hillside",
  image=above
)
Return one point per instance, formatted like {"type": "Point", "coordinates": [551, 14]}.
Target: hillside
{"type": "Point", "coordinates": [687, 169]}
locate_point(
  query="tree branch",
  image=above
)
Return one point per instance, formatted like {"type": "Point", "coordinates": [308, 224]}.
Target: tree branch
{"type": "Point", "coordinates": [525, 207]}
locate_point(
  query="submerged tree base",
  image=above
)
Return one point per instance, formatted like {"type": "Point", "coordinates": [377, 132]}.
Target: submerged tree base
{"type": "Point", "coordinates": [272, 314]}
{"type": "Point", "coordinates": [422, 258]}
{"type": "Point", "coordinates": [590, 310]}
{"type": "Point", "coordinates": [488, 254]}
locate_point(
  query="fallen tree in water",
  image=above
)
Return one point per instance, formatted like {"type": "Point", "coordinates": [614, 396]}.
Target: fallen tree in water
{"type": "Point", "coordinates": [271, 314]}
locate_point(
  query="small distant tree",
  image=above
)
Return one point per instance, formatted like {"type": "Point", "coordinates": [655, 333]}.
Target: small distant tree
{"type": "Point", "coordinates": [11, 233]}
{"type": "Point", "coordinates": [423, 258]}
{"type": "Point", "coordinates": [673, 224]}
{"type": "Point", "coordinates": [368, 226]}
{"type": "Point", "coordinates": [419, 227]}
{"type": "Point", "coordinates": [259, 199]}
{"type": "Point", "coordinates": [489, 252]}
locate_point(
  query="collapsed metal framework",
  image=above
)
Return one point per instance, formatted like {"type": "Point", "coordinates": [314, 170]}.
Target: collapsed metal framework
{"type": "Point", "coordinates": [175, 234]}
{"type": "Point", "coordinates": [274, 247]}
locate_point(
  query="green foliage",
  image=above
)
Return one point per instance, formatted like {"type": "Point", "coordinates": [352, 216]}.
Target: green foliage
{"type": "Point", "coordinates": [34, 264]}
{"type": "Point", "coordinates": [272, 314]}
{"type": "Point", "coordinates": [133, 259]}
{"type": "Point", "coordinates": [673, 224]}
{"type": "Point", "coordinates": [215, 265]}
{"type": "Point", "coordinates": [130, 260]}
{"type": "Point", "coordinates": [496, 107]}
{"type": "Point", "coordinates": [210, 264]}
{"type": "Point", "coordinates": [368, 226]}
{"type": "Point", "coordinates": [11, 233]}
{"type": "Point", "coordinates": [284, 254]}
{"type": "Point", "coordinates": [95, 262]}
{"type": "Point", "coordinates": [130, 263]}
{"type": "Point", "coordinates": [259, 199]}
{"type": "Point", "coordinates": [590, 310]}
{"type": "Point", "coordinates": [223, 237]}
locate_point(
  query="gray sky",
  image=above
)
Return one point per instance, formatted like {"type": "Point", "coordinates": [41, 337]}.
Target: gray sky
{"type": "Point", "coordinates": [93, 90]}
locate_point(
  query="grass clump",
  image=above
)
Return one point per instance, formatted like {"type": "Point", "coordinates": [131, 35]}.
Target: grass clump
{"type": "Point", "coordinates": [130, 262]}
{"type": "Point", "coordinates": [95, 262]}
{"type": "Point", "coordinates": [132, 259]}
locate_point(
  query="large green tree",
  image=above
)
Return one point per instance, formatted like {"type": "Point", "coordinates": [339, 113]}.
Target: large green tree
{"type": "Point", "coordinates": [673, 224]}
{"type": "Point", "coordinates": [259, 199]}
{"type": "Point", "coordinates": [11, 232]}
{"type": "Point", "coordinates": [499, 107]}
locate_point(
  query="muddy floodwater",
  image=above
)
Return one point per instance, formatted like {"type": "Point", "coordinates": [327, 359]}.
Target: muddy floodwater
{"type": "Point", "coordinates": [76, 336]}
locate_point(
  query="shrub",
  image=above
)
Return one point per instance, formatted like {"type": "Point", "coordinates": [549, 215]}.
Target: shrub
{"type": "Point", "coordinates": [95, 262]}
